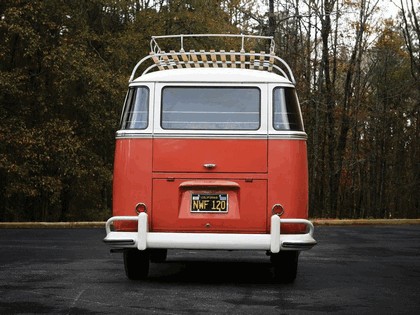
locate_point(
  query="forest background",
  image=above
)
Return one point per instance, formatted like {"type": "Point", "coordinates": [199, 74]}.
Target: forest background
{"type": "Point", "coordinates": [64, 69]}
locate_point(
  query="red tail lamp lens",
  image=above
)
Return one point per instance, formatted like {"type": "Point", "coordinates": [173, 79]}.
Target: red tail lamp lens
{"type": "Point", "coordinates": [277, 209]}
{"type": "Point", "coordinates": [141, 207]}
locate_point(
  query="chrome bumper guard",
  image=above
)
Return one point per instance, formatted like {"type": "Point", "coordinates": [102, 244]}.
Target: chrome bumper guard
{"type": "Point", "coordinates": [274, 242]}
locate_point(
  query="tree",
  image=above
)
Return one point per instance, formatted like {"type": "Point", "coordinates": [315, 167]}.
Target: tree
{"type": "Point", "coordinates": [64, 70]}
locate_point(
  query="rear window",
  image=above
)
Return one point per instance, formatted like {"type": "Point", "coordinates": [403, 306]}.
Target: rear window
{"type": "Point", "coordinates": [211, 108]}
{"type": "Point", "coordinates": [136, 109]}
{"type": "Point", "coordinates": [286, 113]}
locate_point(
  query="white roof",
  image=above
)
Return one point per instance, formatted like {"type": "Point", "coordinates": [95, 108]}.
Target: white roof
{"type": "Point", "coordinates": [213, 75]}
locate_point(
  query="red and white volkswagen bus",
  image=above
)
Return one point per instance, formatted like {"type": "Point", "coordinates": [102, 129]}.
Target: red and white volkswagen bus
{"type": "Point", "coordinates": [211, 154]}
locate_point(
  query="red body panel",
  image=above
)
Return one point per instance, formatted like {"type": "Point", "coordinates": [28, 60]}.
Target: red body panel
{"type": "Point", "coordinates": [288, 180]}
{"type": "Point", "coordinates": [229, 155]}
{"type": "Point", "coordinates": [132, 181]}
{"type": "Point", "coordinates": [256, 174]}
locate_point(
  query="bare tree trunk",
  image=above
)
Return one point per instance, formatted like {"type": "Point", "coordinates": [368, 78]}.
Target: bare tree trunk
{"type": "Point", "coordinates": [271, 19]}
{"type": "Point", "coordinates": [328, 93]}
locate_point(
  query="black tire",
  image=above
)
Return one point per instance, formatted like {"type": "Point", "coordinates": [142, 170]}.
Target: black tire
{"type": "Point", "coordinates": [136, 264]}
{"type": "Point", "coordinates": [285, 265]}
{"type": "Point", "coordinates": [158, 255]}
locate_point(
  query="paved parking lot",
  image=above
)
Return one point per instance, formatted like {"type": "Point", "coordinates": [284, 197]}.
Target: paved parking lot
{"type": "Point", "coordinates": [353, 270]}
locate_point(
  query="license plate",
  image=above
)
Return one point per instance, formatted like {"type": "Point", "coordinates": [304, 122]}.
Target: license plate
{"type": "Point", "coordinates": [214, 203]}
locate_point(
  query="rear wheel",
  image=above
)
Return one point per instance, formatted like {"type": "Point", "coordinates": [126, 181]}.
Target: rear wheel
{"type": "Point", "coordinates": [136, 264]}
{"type": "Point", "coordinates": [158, 255]}
{"type": "Point", "coordinates": [285, 265]}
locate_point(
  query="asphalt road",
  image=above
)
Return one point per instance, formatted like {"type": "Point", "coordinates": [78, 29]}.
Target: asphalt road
{"type": "Point", "coordinates": [353, 270]}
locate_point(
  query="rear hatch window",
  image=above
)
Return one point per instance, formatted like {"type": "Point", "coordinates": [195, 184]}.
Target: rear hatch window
{"type": "Point", "coordinates": [211, 108]}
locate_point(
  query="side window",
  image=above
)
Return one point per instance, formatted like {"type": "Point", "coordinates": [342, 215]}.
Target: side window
{"type": "Point", "coordinates": [136, 109]}
{"type": "Point", "coordinates": [286, 113]}
{"type": "Point", "coordinates": [211, 108]}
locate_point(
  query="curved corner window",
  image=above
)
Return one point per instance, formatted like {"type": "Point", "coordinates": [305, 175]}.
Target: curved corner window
{"type": "Point", "coordinates": [286, 112]}
{"type": "Point", "coordinates": [136, 109]}
{"type": "Point", "coordinates": [211, 108]}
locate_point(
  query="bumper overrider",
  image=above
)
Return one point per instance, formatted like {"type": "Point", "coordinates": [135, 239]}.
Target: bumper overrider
{"type": "Point", "coordinates": [273, 242]}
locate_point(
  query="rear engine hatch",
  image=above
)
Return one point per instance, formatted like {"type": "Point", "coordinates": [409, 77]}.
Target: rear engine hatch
{"type": "Point", "coordinates": [196, 205]}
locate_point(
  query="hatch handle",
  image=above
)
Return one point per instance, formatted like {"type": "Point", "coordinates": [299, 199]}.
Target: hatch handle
{"type": "Point", "coordinates": [209, 166]}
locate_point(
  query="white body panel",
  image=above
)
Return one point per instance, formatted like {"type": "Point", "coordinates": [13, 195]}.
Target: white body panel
{"type": "Point", "coordinates": [216, 75]}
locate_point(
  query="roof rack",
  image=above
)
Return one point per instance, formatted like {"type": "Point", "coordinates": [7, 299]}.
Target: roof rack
{"type": "Point", "coordinates": [262, 61]}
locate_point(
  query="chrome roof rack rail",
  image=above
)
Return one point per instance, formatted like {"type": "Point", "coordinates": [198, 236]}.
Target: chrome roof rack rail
{"type": "Point", "coordinates": [262, 61]}
{"type": "Point", "coordinates": [154, 47]}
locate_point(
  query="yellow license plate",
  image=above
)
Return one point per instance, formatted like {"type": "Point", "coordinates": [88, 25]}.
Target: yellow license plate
{"type": "Point", "coordinates": [213, 203]}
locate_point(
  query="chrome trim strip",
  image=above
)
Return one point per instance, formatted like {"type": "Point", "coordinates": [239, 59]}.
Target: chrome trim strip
{"type": "Point", "coordinates": [290, 136]}
{"type": "Point", "coordinates": [208, 136]}
{"type": "Point", "coordinates": [142, 135]}
{"type": "Point", "coordinates": [131, 135]}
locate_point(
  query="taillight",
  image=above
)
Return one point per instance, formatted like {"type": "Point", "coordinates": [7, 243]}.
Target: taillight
{"type": "Point", "coordinates": [141, 207]}
{"type": "Point", "coordinates": [277, 209]}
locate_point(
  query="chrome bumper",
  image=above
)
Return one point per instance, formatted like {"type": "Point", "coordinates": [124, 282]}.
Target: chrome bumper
{"type": "Point", "coordinates": [274, 242]}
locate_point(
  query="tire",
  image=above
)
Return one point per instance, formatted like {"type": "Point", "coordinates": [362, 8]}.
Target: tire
{"type": "Point", "coordinates": [285, 265]}
{"type": "Point", "coordinates": [158, 255]}
{"type": "Point", "coordinates": [136, 264]}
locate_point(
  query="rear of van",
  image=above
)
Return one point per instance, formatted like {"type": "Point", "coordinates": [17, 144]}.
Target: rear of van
{"type": "Point", "coordinates": [210, 158]}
